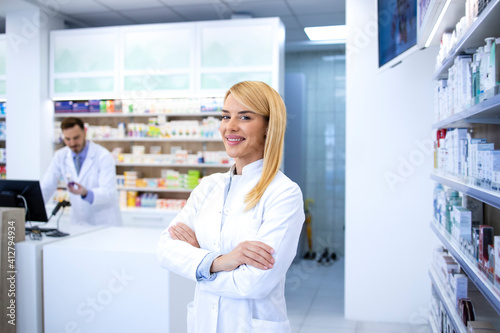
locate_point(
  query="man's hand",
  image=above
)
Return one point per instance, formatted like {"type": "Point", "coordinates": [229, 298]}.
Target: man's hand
{"type": "Point", "coordinates": [182, 232]}
{"type": "Point", "coordinates": [253, 253]}
{"type": "Point", "coordinates": [78, 189]}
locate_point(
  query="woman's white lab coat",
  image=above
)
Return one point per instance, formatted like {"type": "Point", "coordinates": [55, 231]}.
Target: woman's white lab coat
{"type": "Point", "coordinates": [98, 173]}
{"type": "Point", "coordinates": [246, 299]}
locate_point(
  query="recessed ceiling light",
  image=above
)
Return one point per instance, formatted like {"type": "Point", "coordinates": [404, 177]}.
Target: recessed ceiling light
{"type": "Point", "coordinates": [331, 32]}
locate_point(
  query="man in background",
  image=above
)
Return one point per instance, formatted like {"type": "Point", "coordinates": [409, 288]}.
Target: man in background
{"type": "Point", "coordinates": [90, 175]}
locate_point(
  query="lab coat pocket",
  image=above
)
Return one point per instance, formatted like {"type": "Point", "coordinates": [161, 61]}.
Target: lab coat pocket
{"type": "Point", "coordinates": [190, 317]}
{"type": "Point", "coordinates": [266, 326]}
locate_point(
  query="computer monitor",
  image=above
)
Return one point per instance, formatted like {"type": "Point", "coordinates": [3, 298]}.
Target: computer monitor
{"type": "Point", "coordinates": [12, 192]}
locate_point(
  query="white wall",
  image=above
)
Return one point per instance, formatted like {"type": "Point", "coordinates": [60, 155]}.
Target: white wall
{"type": "Point", "coordinates": [388, 188]}
{"type": "Point", "coordinates": [29, 109]}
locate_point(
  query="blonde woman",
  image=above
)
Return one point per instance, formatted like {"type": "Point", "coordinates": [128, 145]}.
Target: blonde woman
{"type": "Point", "coordinates": [238, 233]}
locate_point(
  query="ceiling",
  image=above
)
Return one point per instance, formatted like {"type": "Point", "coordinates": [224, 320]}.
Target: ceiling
{"type": "Point", "coordinates": [295, 14]}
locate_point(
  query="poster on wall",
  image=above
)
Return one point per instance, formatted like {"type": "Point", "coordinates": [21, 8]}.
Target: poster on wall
{"type": "Point", "coordinates": [397, 28]}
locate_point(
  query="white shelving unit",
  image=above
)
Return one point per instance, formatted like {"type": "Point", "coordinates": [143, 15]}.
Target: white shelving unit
{"type": "Point", "coordinates": [486, 25]}
{"type": "Point", "coordinates": [132, 115]}
{"type": "Point", "coordinates": [155, 189]}
{"type": "Point", "coordinates": [489, 197]}
{"type": "Point", "coordinates": [174, 165]}
{"type": "Point", "coordinates": [131, 139]}
{"type": "Point", "coordinates": [486, 112]}
{"type": "Point", "coordinates": [470, 266]}
{"type": "Point", "coordinates": [148, 210]}
{"type": "Point", "coordinates": [447, 302]}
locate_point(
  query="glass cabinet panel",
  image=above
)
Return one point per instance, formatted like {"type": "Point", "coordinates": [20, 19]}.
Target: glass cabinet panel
{"type": "Point", "coordinates": [237, 46]}
{"type": "Point", "coordinates": [84, 53]}
{"type": "Point", "coordinates": [225, 80]}
{"type": "Point", "coordinates": [156, 82]}
{"type": "Point", "coordinates": [84, 84]}
{"type": "Point", "coordinates": [158, 50]}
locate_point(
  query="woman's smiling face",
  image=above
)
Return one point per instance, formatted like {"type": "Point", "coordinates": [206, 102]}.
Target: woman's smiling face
{"type": "Point", "coordinates": [243, 132]}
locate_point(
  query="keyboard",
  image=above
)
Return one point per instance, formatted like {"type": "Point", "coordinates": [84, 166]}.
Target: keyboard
{"type": "Point", "coordinates": [28, 229]}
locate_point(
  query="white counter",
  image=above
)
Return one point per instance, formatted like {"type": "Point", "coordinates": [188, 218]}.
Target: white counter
{"type": "Point", "coordinates": [110, 281]}
{"type": "Point", "coordinates": [29, 295]}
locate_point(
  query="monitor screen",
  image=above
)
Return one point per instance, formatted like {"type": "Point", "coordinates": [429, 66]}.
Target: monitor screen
{"type": "Point", "coordinates": [10, 196]}
{"type": "Point", "coordinates": [397, 28]}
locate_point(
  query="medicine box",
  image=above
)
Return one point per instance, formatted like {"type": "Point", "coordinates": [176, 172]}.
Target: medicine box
{"type": "Point", "coordinates": [462, 223]}
{"type": "Point", "coordinates": [486, 234]}
{"type": "Point", "coordinates": [497, 261]}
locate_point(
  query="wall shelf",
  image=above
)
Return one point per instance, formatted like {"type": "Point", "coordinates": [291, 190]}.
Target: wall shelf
{"type": "Point", "coordinates": [157, 140]}
{"type": "Point", "coordinates": [487, 111]}
{"type": "Point", "coordinates": [147, 210]}
{"type": "Point", "coordinates": [447, 302]}
{"type": "Point", "coordinates": [154, 189]}
{"type": "Point", "coordinates": [131, 115]}
{"type": "Point", "coordinates": [489, 197]}
{"type": "Point", "coordinates": [486, 25]}
{"type": "Point", "coordinates": [174, 165]}
{"type": "Point", "coordinates": [469, 266]}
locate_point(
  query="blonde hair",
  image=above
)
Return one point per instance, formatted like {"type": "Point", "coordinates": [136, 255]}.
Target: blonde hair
{"type": "Point", "coordinates": [262, 99]}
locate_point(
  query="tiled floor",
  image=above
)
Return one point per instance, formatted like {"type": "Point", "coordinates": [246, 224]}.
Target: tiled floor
{"type": "Point", "coordinates": [315, 301]}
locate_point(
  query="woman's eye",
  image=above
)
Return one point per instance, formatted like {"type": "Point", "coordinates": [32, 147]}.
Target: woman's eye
{"type": "Point", "coordinates": [245, 118]}
{"type": "Point", "coordinates": [224, 117]}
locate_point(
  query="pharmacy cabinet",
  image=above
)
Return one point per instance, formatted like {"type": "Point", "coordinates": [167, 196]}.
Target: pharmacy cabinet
{"type": "Point", "coordinates": [467, 109]}
{"type": "Point", "coordinates": [3, 67]}
{"type": "Point", "coordinates": [165, 60]}
{"type": "Point", "coordinates": [84, 62]}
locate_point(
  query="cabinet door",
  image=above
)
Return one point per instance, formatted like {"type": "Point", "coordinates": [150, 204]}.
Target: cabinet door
{"type": "Point", "coordinates": [238, 50]}
{"type": "Point", "coordinates": [83, 63]}
{"type": "Point", "coordinates": [158, 60]}
{"type": "Point", "coordinates": [3, 75]}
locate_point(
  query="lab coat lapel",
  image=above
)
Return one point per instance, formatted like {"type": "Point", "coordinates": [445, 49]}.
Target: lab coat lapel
{"type": "Point", "coordinates": [87, 163]}
{"type": "Point", "coordinates": [70, 167]}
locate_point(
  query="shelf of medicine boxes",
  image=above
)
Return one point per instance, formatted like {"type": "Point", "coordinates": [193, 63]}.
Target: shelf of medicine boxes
{"type": "Point", "coordinates": [485, 25]}
{"type": "Point", "coordinates": [175, 165]}
{"type": "Point", "coordinates": [139, 139]}
{"type": "Point", "coordinates": [130, 115]}
{"type": "Point", "coordinates": [449, 305]}
{"type": "Point", "coordinates": [155, 189]}
{"type": "Point", "coordinates": [491, 198]}
{"type": "Point", "coordinates": [469, 265]}
{"type": "Point", "coordinates": [485, 112]}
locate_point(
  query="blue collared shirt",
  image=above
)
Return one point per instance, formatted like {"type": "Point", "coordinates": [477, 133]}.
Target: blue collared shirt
{"type": "Point", "coordinates": [83, 154]}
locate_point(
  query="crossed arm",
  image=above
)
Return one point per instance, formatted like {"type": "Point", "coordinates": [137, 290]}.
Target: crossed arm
{"type": "Point", "coordinates": [253, 253]}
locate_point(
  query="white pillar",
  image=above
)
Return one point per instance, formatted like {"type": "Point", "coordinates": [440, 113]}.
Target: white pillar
{"type": "Point", "coordinates": [30, 112]}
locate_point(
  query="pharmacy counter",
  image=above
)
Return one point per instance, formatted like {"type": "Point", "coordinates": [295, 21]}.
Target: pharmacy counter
{"type": "Point", "coordinates": [29, 295]}
{"type": "Point", "coordinates": [110, 281]}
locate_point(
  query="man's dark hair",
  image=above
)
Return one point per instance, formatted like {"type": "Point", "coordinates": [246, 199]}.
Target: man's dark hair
{"type": "Point", "coordinates": [71, 122]}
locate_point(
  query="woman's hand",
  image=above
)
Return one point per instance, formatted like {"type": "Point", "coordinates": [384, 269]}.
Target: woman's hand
{"type": "Point", "coordinates": [253, 253]}
{"type": "Point", "coordinates": [182, 232]}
